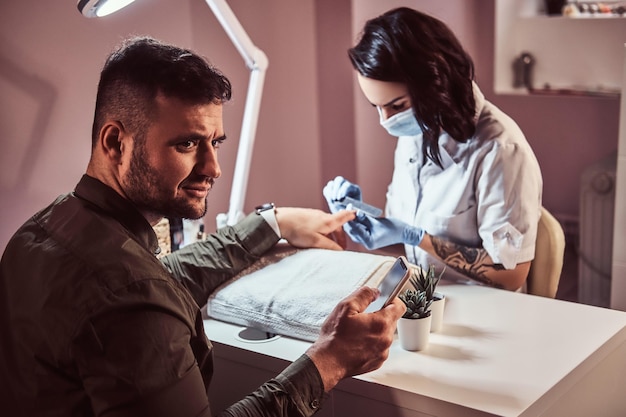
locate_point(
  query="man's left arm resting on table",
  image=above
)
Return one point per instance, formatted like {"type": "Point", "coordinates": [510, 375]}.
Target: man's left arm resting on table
{"type": "Point", "coordinates": [203, 266]}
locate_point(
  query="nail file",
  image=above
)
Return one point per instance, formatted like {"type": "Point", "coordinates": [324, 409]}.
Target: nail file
{"type": "Point", "coordinates": [364, 207]}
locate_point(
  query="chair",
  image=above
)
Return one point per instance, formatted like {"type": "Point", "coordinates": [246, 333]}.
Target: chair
{"type": "Point", "coordinates": [545, 269]}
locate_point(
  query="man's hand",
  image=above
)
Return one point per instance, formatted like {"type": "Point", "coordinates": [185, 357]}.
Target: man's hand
{"type": "Point", "coordinates": [311, 228]}
{"type": "Point", "coordinates": [352, 342]}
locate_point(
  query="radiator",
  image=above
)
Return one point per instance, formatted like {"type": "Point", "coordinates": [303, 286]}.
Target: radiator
{"type": "Point", "coordinates": [595, 252]}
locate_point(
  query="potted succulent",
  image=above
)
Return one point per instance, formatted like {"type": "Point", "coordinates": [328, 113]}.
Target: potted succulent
{"type": "Point", "coordinates": [426, 282]}
{"type": "Point", "coordinates": [414, 326]}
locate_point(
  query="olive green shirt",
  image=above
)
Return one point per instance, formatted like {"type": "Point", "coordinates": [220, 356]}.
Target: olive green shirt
{"type": "Point", "coordinates": [93, 324]}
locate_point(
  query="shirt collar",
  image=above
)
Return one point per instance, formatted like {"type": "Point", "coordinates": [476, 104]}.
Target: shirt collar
{"type": "Point", "coordinates": [111, 203]}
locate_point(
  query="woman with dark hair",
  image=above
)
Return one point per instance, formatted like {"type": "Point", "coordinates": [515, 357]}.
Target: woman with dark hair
{"type": "Point", "coordinates": [466, 187]}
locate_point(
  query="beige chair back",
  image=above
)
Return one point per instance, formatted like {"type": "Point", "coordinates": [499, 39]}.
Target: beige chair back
{"type": "Point", "coordinates": [545, 269]}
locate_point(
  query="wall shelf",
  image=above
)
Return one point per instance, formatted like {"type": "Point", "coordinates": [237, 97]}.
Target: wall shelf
{"type": "Point", "coordinates": [571, 55]}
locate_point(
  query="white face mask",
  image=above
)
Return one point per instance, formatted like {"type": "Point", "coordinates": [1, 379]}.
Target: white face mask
{"type": "Point", "coordinates": [401, 124]}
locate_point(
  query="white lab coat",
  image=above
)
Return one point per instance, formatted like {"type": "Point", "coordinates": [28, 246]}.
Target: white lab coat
{"type": "Point", "coordinates": [487, 194]}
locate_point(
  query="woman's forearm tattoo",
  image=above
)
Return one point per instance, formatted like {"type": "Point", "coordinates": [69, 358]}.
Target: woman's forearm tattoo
{"type": "Point", "coordinates": [473, 262]}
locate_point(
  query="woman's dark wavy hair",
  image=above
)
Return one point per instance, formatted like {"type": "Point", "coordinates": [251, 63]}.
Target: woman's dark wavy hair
{"type": "Point", "coordinates": [412, 48]}
{"type": "Point", "coordinates": [143, 67]}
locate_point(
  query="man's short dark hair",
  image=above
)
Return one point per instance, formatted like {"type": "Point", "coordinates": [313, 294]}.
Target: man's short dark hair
{"type": "Point", "coordinates": [143, 67]}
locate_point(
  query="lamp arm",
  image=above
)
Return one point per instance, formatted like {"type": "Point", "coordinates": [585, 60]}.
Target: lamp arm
{"type": "Point", "coordinates": [257, 62]}
{"type": "Point", "coordinates": [234, 30]}
{"type": "Point", "coordinates": [246, 143]}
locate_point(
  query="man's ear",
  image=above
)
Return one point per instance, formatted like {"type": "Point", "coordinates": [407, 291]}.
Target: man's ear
{"type": "Point", "coordinates": [111, 139]}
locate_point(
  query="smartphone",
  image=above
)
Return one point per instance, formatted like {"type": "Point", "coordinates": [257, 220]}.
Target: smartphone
{"type": "Point", "coordinates": [391, 284]}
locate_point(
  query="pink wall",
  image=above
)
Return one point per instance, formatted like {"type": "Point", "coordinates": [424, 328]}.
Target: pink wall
{"type": "Point", "coordinates": [314, 122]}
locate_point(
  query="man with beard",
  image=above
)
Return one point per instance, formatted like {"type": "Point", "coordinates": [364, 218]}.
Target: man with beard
{"type": "Point", "coordinates": [93, 324]}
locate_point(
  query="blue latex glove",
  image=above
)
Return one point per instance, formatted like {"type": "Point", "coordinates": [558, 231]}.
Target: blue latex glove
{"type": "Point", "coordinates": [378, 232]}
{"type": "Point", "coordinates": [337, 190]}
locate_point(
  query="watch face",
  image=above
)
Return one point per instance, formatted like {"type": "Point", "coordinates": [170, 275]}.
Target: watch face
{"type": "Point", "coordinates": [263, 207]}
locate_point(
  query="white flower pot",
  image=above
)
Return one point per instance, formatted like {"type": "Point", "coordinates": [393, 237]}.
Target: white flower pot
{"type": "Point", "coordinates": [414, 333]}
{"type": "Point", "coordinates": [436, 311]}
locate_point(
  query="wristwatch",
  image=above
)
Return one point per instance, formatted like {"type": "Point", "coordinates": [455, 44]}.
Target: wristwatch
{"type": "Point", "coordinates": [268, 212]}
{"type": "Point", "coordinates": [263, 207]}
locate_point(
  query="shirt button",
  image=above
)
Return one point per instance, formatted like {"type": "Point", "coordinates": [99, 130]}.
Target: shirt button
{"type": "Point", "coordinates": [315, 404]}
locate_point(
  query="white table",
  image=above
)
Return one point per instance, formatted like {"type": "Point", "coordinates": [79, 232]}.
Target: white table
{"type": "Point", "coordinates": [498, 353]}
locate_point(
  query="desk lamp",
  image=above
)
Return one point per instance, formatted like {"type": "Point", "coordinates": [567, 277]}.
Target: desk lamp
{"type": "Point", "coordinates": [257, 63]}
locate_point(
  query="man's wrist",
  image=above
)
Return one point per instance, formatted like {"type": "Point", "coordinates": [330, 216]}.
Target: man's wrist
{"type": "Point", "coordinates": [268, 212]}
{"type": "Point", "coordinates": [328, 368]}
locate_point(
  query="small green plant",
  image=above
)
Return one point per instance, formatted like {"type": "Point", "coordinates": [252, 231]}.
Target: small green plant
{"type": "Point", "coordinates": [417, 306]}
{"type": "Point", "coordinates": [426, 282]}
{"type": "Point", "coordinates": [419, 299]}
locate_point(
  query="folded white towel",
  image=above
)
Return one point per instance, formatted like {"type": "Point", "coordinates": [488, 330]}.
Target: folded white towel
{"type": "Point", "coordinates": [291, 292]}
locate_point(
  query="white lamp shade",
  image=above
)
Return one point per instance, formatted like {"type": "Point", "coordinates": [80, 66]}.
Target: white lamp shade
{"type": "Point", "coordinates": [99, 8]}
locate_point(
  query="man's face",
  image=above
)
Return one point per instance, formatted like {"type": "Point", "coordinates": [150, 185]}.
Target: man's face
{"type": "Point", "coordinates": [170, 172]}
